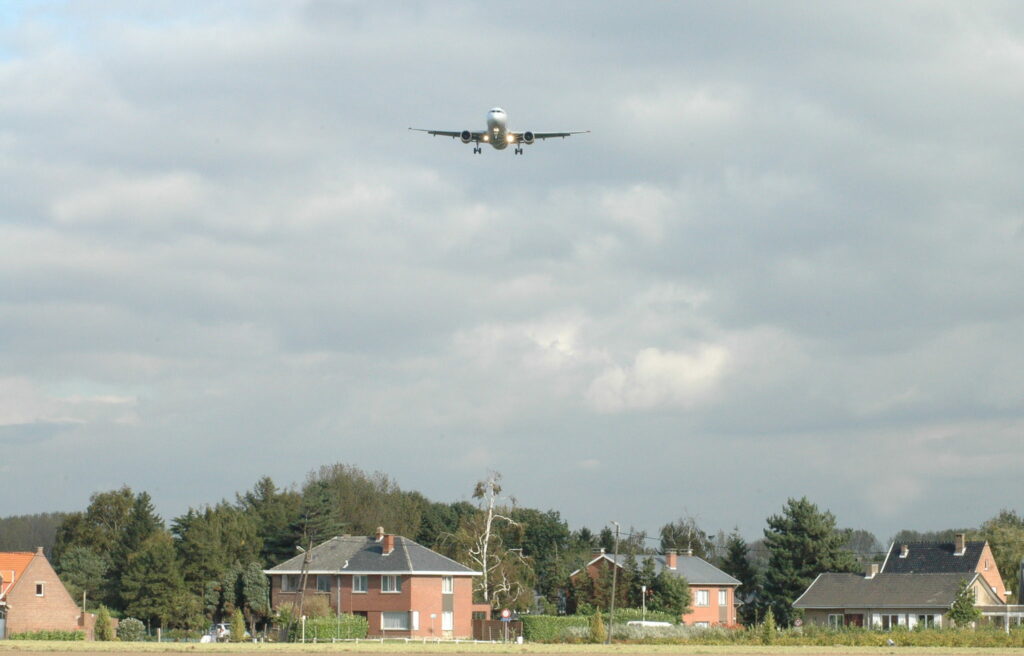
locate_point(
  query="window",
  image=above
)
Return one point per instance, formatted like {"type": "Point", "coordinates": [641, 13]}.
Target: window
{"type": "Point", "coordinates": [39, 589]}
{"type": "Point", "coordinates": [890, 622]}
{"type": "Point", "coordinates": [835, 621]}
{"type": "Point", "coordinates": [290, 583]}
{"type": "Point", "coordinates": [447, 584]}
{"type": "Point", "coordinates": [323, 583]}
{"type": "Point", "coordinates": [701, 625]}
{"type": "Point", "coordinates": [394, 620]}
{"type": "Point", "coordinates": [701, 598]}
{"type": "Point", "coordinates": [390, 583]}
{"type": "Point", "coordinates": [928, 621]}
{"type": "Point", "coordinates": [360, 583]}
{"type": "Point", "coordinates": [723, 597]}
{"type": "Point", "coordinates": [447, 621]}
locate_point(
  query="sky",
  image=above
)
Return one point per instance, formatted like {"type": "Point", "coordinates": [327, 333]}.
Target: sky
{"type": "Point", "coordinates": [787, 261]}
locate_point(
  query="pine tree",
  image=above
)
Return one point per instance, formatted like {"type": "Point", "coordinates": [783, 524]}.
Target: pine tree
{"type": "Point", "coordinates": [152, 585]}
{"type": "Point", "coordinates": [738, 565]}
{"type": "Point", "coordinates": [598, 634]}
{"type": "Point", "coordinates": [803, 542]}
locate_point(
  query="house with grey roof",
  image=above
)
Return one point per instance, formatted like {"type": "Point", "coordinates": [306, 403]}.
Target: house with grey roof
{"type": "Point", "coordinates": [402, 588]}
{"type": "Point", "coordinates": [887, 601]}
{"type": "Point", "coordinates": [713, 591]}
{"type": "Point", "coordinates": [961, 556]}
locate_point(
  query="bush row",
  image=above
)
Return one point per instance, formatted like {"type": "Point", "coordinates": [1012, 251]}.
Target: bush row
{"type": "Point", "coordinates": [346, 627]}
{"type": "Point", "coordinates": [49, 635]}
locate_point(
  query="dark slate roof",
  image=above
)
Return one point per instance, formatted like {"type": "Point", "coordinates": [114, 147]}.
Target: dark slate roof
{"type": "Point", "coordinates": [696, 571]}
{"type": "Point", "coordinates": [882, 591]}
{"type": "Point", "coordinates": [933, 558]}
{"type": "Point", "coordinates": [364, 555]}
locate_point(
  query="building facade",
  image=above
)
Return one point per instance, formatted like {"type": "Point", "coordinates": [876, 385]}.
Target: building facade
{"type": "Point", "coordinates": [712, 591]}
{"type": "Point", "coordinates": [402, 588]}
{"type": "Point", "coordinates": [33, 598]}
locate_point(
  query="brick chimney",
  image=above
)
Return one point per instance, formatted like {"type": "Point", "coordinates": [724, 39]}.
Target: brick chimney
{"type": "Point", "coordinates": [872, 570]}
{"type": "Point", "coordinates": [670, 559]}
{"type": "Point", "coordinates": [960, 542]}
{"type": "Point", "coordinates": [39, 551]}
{"type": "Point", "coordinates": [904, 550]}
{"type": "Point", "coordinates": [388, 544]}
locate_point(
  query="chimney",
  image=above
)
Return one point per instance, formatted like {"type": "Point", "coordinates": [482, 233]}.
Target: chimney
{"type": "Point", "coordinates": [689, 552]}
{"type": "Point", "coordinates": [670, 559]}
{"type": "Point", "coordinates": [380, 533]}
{"type": "Point", "coordinates": [904, 550]}
{"type": "Point", "coordinates": [871, 571]}
{"type": "Point", "coordinates": [39, 551]}
{"type": "Point", "coordinates": [960, 542]}
{"type": "Point", "coordinates": [599, 552]}
{"type": "Point", "coordinates": [389, 544]}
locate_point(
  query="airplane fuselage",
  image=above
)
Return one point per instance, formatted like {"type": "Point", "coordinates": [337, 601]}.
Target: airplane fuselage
{"type": "Point", "coordinates": [497, 129]}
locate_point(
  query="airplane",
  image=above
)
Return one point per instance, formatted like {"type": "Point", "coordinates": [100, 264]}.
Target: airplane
{"type": "Point", "coordinates": [498, 135]}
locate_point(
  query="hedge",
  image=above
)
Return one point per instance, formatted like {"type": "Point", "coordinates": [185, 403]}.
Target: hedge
{"type": "Point", "coordinates": [329, 628]}
{"type": "Point", "coordinates": [552, 628]}
{"type": "Point", "coordinates": [49, 635]}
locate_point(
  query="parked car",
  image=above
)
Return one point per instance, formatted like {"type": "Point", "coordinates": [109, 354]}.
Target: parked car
{"type": "Point", "coordinates": [219, 633]}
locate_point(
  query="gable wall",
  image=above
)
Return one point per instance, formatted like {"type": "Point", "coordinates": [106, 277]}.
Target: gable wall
{"type": "Point", "coordinates": [55, 610]}
{"type": "Point", "coordinates": [991, 573]}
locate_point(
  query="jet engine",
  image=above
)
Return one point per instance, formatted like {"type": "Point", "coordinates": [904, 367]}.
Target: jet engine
{"type": "Point", "coordinates": [528, 137]}
{"type": "Point", "coordinates": [466, 136]}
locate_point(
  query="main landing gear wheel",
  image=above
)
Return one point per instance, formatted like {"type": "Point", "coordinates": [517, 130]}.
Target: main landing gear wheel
{"type": "Point", "coordinates": [519, 150]}
{"type": "Point", "coordinates": [477, 150]}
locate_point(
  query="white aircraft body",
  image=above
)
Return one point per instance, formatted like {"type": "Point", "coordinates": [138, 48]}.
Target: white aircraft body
{"type": "Point", "coordinates": [498, 135]}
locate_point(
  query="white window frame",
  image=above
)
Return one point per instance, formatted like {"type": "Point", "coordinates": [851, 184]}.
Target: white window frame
{"type": "Point", "coordinates": [391, 616]}
{"type": "Point", "coordinates": [320, 578]}
{"type": "Point", "coordinates": [701, 625]}
{"type": "Point", "coordinates": [390, 584]}
{"type": "Point", "coordinates": [40, 588]}
{"type": "Point", "coordinates": [447, 585]}
{"type": "Point", "coordinates": [296, 578]}
{"type": "Point", "coordinates": [360, 584]}
{"type": "Point", "coordinates": [835, 621]}
{"type": "Point", "coordinates": [447, 620]}
{"type": "Point", "coordinates": [702, 599]}
{"type": "Point", "coordinates": [723, 597]}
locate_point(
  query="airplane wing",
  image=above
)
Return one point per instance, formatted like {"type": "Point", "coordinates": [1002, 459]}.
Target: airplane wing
{"type": "Point", "coordinates": [454, 134]}
{"type": "Point", "coordinates": [546, 135]}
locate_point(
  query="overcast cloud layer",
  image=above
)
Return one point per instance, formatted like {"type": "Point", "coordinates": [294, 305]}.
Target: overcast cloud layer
{"type": "Point", "coordinates": [789, 260]}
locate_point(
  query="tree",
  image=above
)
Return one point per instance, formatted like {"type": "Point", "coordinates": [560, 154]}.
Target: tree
{"type": "Point", "coordinates": [83, 570]}
{"type": "Point", "coordinates": [273, 512]}
{"type": "Point", "coordinates": [211, 539]}
{"type": "Point", "coordinates": [683, 535]}
{"type": "Point", "coordinates": [152, 585]}
{"type": "Point", "coordinates": [963, 612]}
{"type": "Point", "coordinates": [671, 594]}
{"type": "Point", "coordinates": [803, 542]}
{"type": "Point", "coordinates": [237, 626]}
{"type": "Point", "coordinates": [862, 544]}
{"type": "Point", "coordinates": [737, 564]}
{"type": "Point", "coordinates": [26, 532]}
{"type": "Point", "coordinates": [598, 633]}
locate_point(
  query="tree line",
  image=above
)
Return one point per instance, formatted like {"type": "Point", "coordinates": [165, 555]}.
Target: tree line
{"type": "Point", "coordinates": [207, 563]}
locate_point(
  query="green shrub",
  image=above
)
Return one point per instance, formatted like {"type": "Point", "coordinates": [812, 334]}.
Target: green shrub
{"type": "Point", "coordinates": [551, 628]}
{"type": "Point", "coordinates": [131, 630]}
{"type": "Point", "coordinates": [104, 629]}
{"type": "Point", "coordinates": [597, 631]}
{"type": "Point", "coordinates": [237, 626]}
{"type": "Point", "coordinates": [49, 634]}
{"type": "Point", "coordinates": [344, 627]}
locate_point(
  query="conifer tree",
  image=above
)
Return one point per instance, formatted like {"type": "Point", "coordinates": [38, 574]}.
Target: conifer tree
{"type": "Point", "coordinates": [738, 565]}
{"type": "Point", "coordinates": [963, 611]}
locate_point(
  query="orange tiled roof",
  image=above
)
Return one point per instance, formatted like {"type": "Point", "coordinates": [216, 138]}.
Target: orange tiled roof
{"type": "Point", "coordinates": [12, 564]}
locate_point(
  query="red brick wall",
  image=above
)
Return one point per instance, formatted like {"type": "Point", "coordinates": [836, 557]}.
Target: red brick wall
{"type": "Point", "coordinates": [55, 610]}
{"type": "Point", "coordinates": [419, 593]}
{"type": "Point", "coordinates": [991, 575]}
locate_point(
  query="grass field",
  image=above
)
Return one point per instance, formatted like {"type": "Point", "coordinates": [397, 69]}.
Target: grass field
{"type": "Point", "coordinates": [412, 648]}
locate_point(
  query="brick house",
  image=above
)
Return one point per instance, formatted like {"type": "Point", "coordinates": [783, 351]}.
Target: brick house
{"type": "Point", "coordinates": [712, 591]}
{"type": "Point", "coordinates": [958, 557]}
{"type": "Point", "coordinates": [32, 597]}
{"type": "Point", "coordinates": [402, 588]}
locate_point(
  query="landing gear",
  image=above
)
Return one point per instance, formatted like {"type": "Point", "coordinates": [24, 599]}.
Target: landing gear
{"type": "Point", "coordinates": [477, 150]}
{"type": "Point", "coordinates": [518, 150]}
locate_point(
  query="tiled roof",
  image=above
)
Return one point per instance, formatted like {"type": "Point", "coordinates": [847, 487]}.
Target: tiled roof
{"type": "Point", "coordinates": [12, 564]}
{"type": "Point", "coordinates": [364, 555]}
{"type": "Point", "coordinates": [933, 558]}
{"type": "Point", "coordinates": [882, 591]}
{"type": "Point", "coordinates": [696, 571]}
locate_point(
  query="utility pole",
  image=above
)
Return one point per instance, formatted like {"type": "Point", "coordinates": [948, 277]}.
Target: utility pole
{"type": "Point", "coordinates": [615, 572]}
